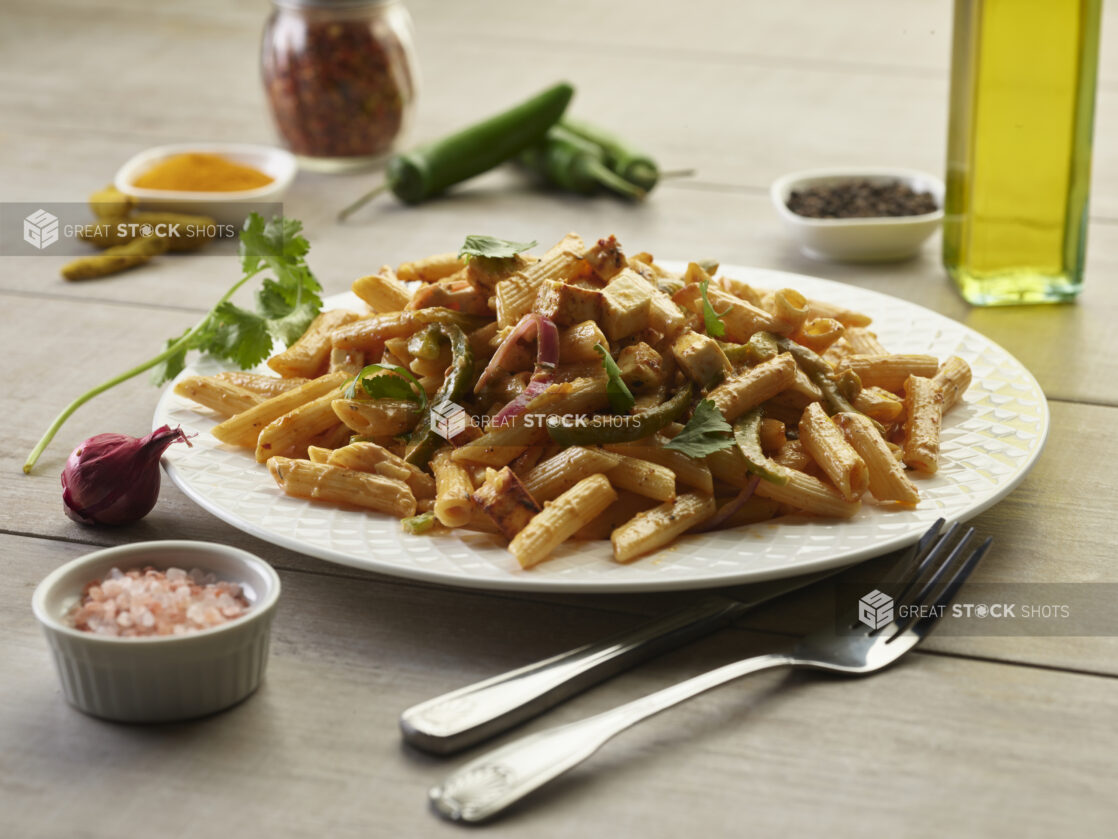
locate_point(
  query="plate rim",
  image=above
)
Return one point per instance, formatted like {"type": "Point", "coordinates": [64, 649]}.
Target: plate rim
{"type": "Point", "coordinates": [526, 581]}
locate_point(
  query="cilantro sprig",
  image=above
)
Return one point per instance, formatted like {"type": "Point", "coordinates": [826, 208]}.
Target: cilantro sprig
{"type": "Point", "coordinates": [398, 384]}
{"type": "Point", "coordinates": [621, 399]}
{"type": "Point", "coordinates": [712, 320]}
{"type": "Point", "coordinates": [706, 432]}
{"type": "Point", "coordinates": [286, 303]}
{"type": "Point", "coordinates": [491, 246]}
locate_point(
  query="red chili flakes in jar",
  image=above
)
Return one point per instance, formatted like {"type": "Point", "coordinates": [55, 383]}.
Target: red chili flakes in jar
{"type": "Point", "coordinates": [340, 78]}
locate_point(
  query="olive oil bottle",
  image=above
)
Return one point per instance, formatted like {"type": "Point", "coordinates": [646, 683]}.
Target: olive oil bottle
{"type": "Point", "coordinates": [1019, 148]}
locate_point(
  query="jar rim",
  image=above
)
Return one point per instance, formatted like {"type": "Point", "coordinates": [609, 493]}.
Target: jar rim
{"type": "Point", "coordinates": [331, 4]}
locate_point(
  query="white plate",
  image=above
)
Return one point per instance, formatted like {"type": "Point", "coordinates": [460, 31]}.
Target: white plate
{"type": "Point", "coordinates": [988, 444]}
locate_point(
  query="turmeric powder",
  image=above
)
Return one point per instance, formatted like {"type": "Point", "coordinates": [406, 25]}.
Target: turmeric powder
{"type": "Point", "coordinates": [199, 172]}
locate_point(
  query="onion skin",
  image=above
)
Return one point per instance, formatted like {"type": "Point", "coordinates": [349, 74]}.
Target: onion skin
{"type": "Point", "coordinates": [113, 479]}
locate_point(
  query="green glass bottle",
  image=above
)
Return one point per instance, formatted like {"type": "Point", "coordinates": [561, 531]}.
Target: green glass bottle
{"type": "Point", "coordinates": [1023, 76]}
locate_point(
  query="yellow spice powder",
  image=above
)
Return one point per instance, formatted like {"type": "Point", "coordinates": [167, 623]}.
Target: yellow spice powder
{"type": "Point", "coordinates": [198, 172]}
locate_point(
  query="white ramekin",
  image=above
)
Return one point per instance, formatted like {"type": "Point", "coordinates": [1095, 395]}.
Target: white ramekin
{"type": "Point", "coordinates": [164, 678]}
{"type": "Point", "coordinates": [223, 207]}
{"type": "Point", "coordinates": [880, 239]}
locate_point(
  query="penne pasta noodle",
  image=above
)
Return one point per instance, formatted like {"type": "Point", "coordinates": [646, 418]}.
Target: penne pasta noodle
{"type": "Point", "coordinates": [323, 482]}
{"type": "Point", "coordinates": [951, 381]}
{"type": "Point", "coordinates": [643, 478]}
{"type": "Point", "coordinates": [879, 404]}
{"type": "Point", "coordinates": [923, 414]}
{"type": "Point", "coordinates": [889, 371]}
{"type": "Point", "coordinates": [557, 474]}
{"type": "Point", "coordinates": [363, 456]}
{"type": "Point", "coordinates": [754, 385]}
{"type": "Point", "coordinates": [687, 470]}
{"type": "Point", "coordinates": [220, 395]}
{"type": "Point", "coordinates": [561, 519]}
{"type": "Point", "coordinates": [818, 334]}
{"type": "Point", "coordinates": [244, 429]}
{"type": "Point", "coordinates": [660, 526]}
{"type": "Point", "coordinates": [289, 435]}
{"type": "Point", "coordinates": [308, 357]}
{"type": "Point", "coordinates": [823, 440]}
{"type": "Point", "coordinates": [453, 506]}
{"type": "Point", "coordinates": [382, 291]}
{"type": "Point", "coordinates": [263, 385]}
{"type": "Point", "coordinates": [377, 418]}
{"type": "Point", "coordinates": [863, 342]}
{"type": "Point", "coordinates": [429, 269]}
{"type": "Point", "coordinates": [887, 479]}
{"type": "Point", "coordinates": [627, 505]}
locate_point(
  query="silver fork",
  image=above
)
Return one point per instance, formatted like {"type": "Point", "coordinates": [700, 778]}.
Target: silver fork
{"type": "Point", "coordinates": [937, 565]}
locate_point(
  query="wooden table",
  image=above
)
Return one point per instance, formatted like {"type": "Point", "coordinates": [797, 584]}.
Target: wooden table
{"type": "Point", "coordinates": [971, 736]}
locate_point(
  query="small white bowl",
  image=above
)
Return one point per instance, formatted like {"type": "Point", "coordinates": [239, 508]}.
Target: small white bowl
{"type": "Point", "coordinates": [162, 678]}
{"type": "Point", "coordinates": [880, 239]}
{"type": "Point", "coordinates": [223, 207]}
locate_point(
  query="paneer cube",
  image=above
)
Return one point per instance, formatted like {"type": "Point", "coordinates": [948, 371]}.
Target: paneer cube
{"type": "Point", "coordinates": [642, 368]}
{"type": "Point", "coordinates": [628, 305]}
{"type": "Point", "coordinates": [505, 500]}
{"type": "Point", "coordinates": [701, 359]}
{"type": "Point", "coordinates": [568, 304]}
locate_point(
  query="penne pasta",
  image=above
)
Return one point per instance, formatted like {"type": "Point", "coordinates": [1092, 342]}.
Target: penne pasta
{"type": "Point", "coordinates": [220, 395]}
{"type": "Point", "coordinates": [643, 478]}
{"type": "Point", "coordinates": [309, 356]}
{"type": "Point", "coordinates": [453, 506]}
{"type": "Point", "coordinates": [244, 429]}
{"type": "Point", "coordinates": [323, 482]}
{"type": "Point", "coordinates": [887, 479]}
{"type": "Point", "coordinates": [660, 526]}
{"type": "Point", "coordinates": [827, 446]}
{"type": "Point", "coordinates": [889, 371]}
{"type": "Point", "coordinates": [923, 414]}
{"type": "Point", "coordinates": [382, 291]}
{"type": "Point", "coordinates": [289, 435]}
{"type": "Point", "coordinates": [561, 519]}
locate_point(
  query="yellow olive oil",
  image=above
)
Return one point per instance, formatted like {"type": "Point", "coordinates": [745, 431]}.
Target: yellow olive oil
{"type": "Point", "coordinates": [1019, 148]}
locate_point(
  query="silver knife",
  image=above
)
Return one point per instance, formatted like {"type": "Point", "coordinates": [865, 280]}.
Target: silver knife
{"type": "Point", "coordinates": [466, 716]}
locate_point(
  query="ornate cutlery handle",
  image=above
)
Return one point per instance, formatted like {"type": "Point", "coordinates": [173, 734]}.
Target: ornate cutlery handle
{"type": "Point", "coordinates": [469, 715]}
{"type": "Point", "coordinates": [486, 786]}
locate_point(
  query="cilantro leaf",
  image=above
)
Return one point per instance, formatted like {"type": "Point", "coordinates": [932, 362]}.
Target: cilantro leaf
{"type": "Point", "coordinates": [712, 320]}
{"type": "Point", "coordinates": [476, 245]}
{"type": "Point", "coordinates": [402, 385]}
{"type": "Point", "coordinates": [172, 365]}
{"type": "Point", "coordinates": [239, 335]}
{"type": "Point", "coordinates": [621, 399]}
{"type": "Point", "coordinates": [706, 432]}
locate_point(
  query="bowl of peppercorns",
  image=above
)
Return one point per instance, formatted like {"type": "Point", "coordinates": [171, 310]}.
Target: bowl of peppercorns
{"type": "Point", "coordinates": [869, 214]}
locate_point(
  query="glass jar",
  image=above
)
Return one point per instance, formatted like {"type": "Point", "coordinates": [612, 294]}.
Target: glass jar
{"type": "Point", "coordinates": [340, 76]}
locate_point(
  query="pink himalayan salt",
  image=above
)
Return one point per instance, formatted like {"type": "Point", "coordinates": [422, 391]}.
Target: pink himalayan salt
{"type": "Point", "coordinates": [148, 602]}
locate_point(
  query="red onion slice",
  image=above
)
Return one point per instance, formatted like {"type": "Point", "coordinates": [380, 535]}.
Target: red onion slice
{"type": "Point", "coordinates": [532, 325]}
{"type": "Point", "coordinates": [538, 384]}
{"type": "Point", "coordinates": [730, 507]}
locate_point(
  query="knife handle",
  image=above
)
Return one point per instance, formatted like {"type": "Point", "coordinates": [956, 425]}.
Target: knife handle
{"type": "Point", "coordinates": [466, 716]}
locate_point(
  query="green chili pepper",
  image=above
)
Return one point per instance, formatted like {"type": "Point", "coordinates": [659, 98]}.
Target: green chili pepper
{"type": "Point", "coordinates": [440, 314]}
{"type": "Point", "coordinates": [634, 166]}
{"type": "Point", "coordinates": [432, 168]}
{"type": "Point", "coordinates": [459, 378]}
{"type": "Point", "coordinates": [417, 525]}
{"type": "Point", "coordinates": [602, 430]}
{"type": "Point", "coordinates": [747, 434]}
{"type": "Point", "coordinates": [424, 344]}
{"type": "Point", "coordinates": [574, 164]}
{"type": "Point", "coordinates": [819, 371]}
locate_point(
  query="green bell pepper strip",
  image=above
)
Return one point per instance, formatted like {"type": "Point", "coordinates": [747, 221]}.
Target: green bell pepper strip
{"type": "Point", "coordinates": [747, 434]}
{"type": "Point", "coordinates": [819, 371]}
{"type": "Point", "coordinates": [417, 525]}
{"type": "Point", "coordinates": [459, 379]}
{"type": "Point", "coordinates": [441, 314]}
{"type": "Point", "coordinates": [602, 430]}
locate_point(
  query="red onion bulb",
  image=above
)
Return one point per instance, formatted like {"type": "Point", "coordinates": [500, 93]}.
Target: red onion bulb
{"type": "Point", "coordinates": [114, 478]}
